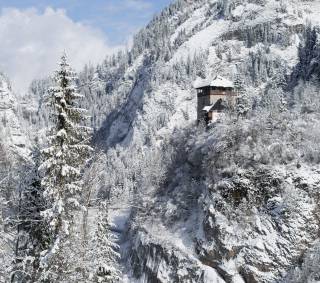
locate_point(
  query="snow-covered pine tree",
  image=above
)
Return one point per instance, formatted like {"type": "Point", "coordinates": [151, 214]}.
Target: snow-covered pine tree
{"type": "Point", "coordinates": [5, 256]}
{"type": "Point", "coordinates": [239, 84]}
{"type": "Point", "coordinates": [32, 232]}
{"type": "Point", "coordinates": [242, 106]}
{"type": "Point", "coordinates": [10, 173]}
{"type": "Point", "coordinates": [103, 253]}
{"type": "Point", "coordinates": [308, 52]}
{"type": "Point", "coordinates": [242, 101]}
{"type": "Point", "coordinates": [63, 160]}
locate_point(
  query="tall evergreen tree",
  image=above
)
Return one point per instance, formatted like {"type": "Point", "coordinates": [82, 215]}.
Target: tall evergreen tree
{"type": "Point", "coordinates": [62, 165]}
{"type": "Point", "coordinates": [103, 253]}
{"type": "Point", "coordinates": [32, 232]}
{"type": "Point", "coordinates": [239, 86]}
{"type": "Point", "coordinates": [308, 56]}
{"type": "Point", "coordinates": [5, 257]}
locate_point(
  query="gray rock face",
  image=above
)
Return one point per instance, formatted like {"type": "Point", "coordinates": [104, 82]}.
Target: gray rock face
{"type": "Point", "coordinates": [158, 262]}
{"type": "Point", "coordinates": [265, 240]}
{"type": "Point", "coordinates": [11, 134]}
{"type": "Point", "coordinates": [234, 239]}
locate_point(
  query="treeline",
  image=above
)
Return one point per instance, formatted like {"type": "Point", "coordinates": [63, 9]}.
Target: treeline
{"type": "Point", "coordinates": [308, 66]}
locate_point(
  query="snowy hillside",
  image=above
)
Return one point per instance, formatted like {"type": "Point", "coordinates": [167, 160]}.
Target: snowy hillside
{"type": "Point", "coordinates": [202, 39]}
{"type": "Point", "coordinates": [185, 230]}
{"type": "Point", "coordinates": [14, 151]}
{"type": "Point", "coordinates": [12, 136]}
{"type": "Point", "coordinates": [236, 201]}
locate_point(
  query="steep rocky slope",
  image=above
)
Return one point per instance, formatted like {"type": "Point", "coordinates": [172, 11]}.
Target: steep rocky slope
{"type": "Point", "coordinates": [197, 225]}
{"type": "Point", "coordinates": [13, 139]}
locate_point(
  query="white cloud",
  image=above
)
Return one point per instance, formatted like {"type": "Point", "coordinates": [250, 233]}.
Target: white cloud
{"type": "Point", "coordinates": [31, 43]}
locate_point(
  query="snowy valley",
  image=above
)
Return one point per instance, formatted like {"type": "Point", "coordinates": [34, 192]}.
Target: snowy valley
{"type": "Point", "coordinates": [163, 197]}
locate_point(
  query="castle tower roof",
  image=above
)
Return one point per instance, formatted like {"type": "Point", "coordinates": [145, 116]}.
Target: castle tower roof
{"type": "Point", "coordinates": [218, 81]}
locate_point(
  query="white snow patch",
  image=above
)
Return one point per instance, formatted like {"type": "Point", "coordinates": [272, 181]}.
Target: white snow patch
{"type": "Point", "coordinates": [201, 40]}
{"type": "Point", "coordinates": [211, 276]}
{"type": "Point", "coordinates": [119, 217]}
{"type": "Point", "coordinates": [197, 18]}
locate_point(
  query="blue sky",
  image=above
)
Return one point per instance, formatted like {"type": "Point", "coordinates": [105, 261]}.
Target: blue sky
{"type": "Point", "coordinates": [34, 33]}
{"type": "Point", "coordinates": [118, 19]}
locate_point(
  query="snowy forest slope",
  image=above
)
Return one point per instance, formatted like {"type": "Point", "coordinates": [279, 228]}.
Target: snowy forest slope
{"type": "Point", "coordinates": [224, 201]}
{"type": "Point", "coordinates": [256, 40]}
{"type": "Point", "coordinates": [235, 202]}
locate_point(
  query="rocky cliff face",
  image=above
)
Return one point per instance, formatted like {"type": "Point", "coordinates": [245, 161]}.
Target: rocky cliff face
{"type": "Point", "coordinates": [13, 139]}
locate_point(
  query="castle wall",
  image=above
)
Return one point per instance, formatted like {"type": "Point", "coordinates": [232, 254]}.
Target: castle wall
{"type": "Point", "coordinates": [202, 102]}
{"type": "Point", "coordinates": [207, 96]}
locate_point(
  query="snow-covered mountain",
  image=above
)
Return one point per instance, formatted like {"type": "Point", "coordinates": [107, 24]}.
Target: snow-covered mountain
{"type": "Point", "coordinates": [187, 229]}
{"type": "Point", "coordinates": [256, 39]}
{"type": "Point", "coordinates": [236, 202]}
